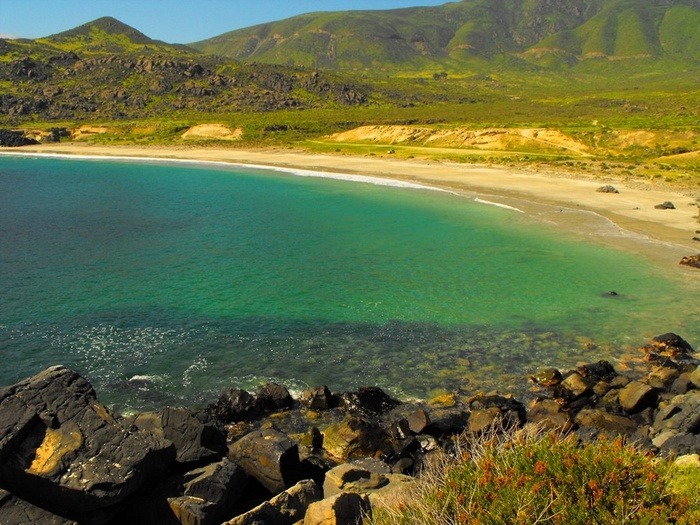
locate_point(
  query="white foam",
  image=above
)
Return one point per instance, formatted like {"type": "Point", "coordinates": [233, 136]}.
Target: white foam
{"type": "Point", "coordinates": [498, 205]}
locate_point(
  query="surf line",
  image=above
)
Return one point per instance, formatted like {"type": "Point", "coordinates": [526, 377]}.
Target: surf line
{"type": "Point", "coordinates": [498, 205]}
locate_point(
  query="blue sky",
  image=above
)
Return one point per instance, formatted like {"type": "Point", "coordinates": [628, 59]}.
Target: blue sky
{"type": "Point", "coordinates": [174, 21]}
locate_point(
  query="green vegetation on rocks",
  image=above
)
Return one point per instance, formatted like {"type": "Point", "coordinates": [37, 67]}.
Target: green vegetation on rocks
{"type": "Point", "coordinates": [526, 477]}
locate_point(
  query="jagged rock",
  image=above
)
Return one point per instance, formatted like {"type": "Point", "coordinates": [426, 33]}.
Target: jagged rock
{"type": "Point", "coordinates": [15, 511]}
{"type": "Point", "coordinates": [286, 508]}
{"type": "Point", "coordinates": [607, 189]}
{"type": "Point", "coordinates": [368, 400]}
{"type": "Point", "coordinates": [235, 405]}
{"type": "Point", "coordinates": [668, 205]}
{"type": "Point", "coordinates": [193, 440]}
{"type": "Point", "coordinates": [209, 493]}
{"type": "Point", "coordinates": [270, 457]}
{"type": "Point", "coordinates": [63, 449]}
{"type": "Point", "coordinates": [691, 260]}
{"type": "Point", "coordinates": [637, 396]}
{"type": "Point", "coordinates": [274, 397]}
{"type": "Point", "coordinates": [346, 508]}
{"type": "Point", "coordinates": [601, 422]}
{"type": "Point", "coordinates": [318, 398]}
{"type": "Point", "coordinates": [355, 437]}
{"type": "Point", "coordinates": [676, 428]}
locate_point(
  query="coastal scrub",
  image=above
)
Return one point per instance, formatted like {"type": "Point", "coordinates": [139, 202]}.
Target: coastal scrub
{"type": "Point", "coordinates": [526, 478]}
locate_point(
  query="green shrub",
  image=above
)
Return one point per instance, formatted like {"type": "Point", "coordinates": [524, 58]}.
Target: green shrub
{"type": "Point", "coordinates": [527, 478]}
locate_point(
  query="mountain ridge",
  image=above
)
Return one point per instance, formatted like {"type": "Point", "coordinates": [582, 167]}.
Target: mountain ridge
{"type": "Point", "coordinates": [455, 34]}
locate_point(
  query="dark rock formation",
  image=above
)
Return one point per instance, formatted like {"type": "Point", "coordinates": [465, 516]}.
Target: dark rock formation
{"type": "Point", "coordinates": [194, 441]}
{"type": "Point", "coordinates": [61, 448]}
{"type": "Point", "coordinates": [270, 457]}
{"type": "Point", "coordinates": [368, 400]}
{"type": "Point", "coordinates": [273, 397]}
{"type": "Point", "coordinates": [234, 405]}
{"type": "Point", "coordinates": [668, 205]}
{"type": "Point", "coordinates": [318, 398]}
{"type": "Point", "coordinates": [607, 189]}
{"type": "Point", "coordinates": [14, 139]}
{"type": "Point", "coordinates": [209, 493]}
{"type": "Point", "coordinates": [691, 260]}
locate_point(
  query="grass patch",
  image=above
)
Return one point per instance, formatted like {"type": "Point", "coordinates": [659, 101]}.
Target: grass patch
{"type": "Point", "coordinates": [527, 477]}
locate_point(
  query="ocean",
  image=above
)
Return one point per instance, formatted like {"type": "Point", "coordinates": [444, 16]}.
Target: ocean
{"type": "Point", "coordinates": [164, 283]}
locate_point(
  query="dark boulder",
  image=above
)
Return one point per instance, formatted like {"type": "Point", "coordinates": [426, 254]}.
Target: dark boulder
{"type": "Point", "coordinates": [194, 441]}
{"type": "Point", "coordinates": [492, 412]}
{"type": "Point", "coordinates": [235, 405]}
{"type": "Point", "coordinates": [593, 423]}
{"type": "Point", "coordinates": [600, 371]}
{"type": "Point", "coordinates": [268, 456]}
{"type": "Point", "coordinates": [672, 343]}
{"type": "Point", "coordinates": [668, 205]}
{"type": "Point", "coordinates": [318, 398]}
{"type": "Point", "coordinates": [607, 189]}
{"type": "Point", "coordinates": [273, 397]}
{"type": "Point", "coordinates": [676, 427]}
{"type": "Point", "coordinates": [62, 448]}
{"type": "Point", "coordinates": [368, 400]}
{"type": "Point", "coordinates": [356, 437]}
{"type": "Point", "coordinates": [637, 396]}
{"type": "Point", "coordinates": [209, 493]}
{"type": "Point", "coordinates": [691, 260]}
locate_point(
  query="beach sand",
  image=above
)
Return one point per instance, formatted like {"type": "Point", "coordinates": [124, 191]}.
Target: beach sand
{"type": "Point", "coordinates": [627, 220]}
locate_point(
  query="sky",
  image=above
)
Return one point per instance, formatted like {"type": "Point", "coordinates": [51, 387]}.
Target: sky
{"type": "Point", "coordinates": [173, 21]}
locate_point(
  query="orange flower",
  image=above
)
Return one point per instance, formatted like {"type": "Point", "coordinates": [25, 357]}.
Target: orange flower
{"type": "Point", "coordinates": [540, 468]}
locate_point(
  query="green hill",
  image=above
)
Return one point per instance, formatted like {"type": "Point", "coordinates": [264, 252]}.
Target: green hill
{"type": "Point", "coordinates": [466, 32]}
{"type": "Point", "coordinates": [107, 70]}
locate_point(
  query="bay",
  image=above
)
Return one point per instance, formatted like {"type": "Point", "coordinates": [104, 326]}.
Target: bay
{"type": "Point", "coordinates": [164, 283]}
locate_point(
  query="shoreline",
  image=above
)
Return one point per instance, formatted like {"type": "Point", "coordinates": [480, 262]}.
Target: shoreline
{"type": "Point", "coordinates": [627, 220]}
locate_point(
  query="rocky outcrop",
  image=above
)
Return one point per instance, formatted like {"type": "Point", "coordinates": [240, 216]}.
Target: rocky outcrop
{"type": "Point", "coordinates": [607, 189]}
{"type": "Point", "coordinates": [14, 139]}
{"type": "Point", "coordinates": [60, 446]}
{"type": "Point", "coordinates": [194, 440]}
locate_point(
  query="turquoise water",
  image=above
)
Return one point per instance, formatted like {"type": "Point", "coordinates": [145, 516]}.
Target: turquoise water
{"type": "Point", "coordinates": [165, 283]}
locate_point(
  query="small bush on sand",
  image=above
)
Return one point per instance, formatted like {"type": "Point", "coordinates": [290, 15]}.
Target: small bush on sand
{"type": "Point", "coordinates": [528, 478]}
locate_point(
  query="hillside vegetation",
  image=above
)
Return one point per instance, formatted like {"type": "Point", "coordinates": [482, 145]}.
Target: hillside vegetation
{"type": "Point", "coordinates": [605, 85]}
{"type": "Point", "coordinates": [467, 33]}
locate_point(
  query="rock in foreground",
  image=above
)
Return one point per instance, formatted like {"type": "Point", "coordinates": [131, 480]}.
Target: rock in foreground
{"type": "Point", "coordinates": [60, 447]}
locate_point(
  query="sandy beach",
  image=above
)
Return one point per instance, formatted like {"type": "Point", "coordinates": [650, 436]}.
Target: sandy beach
{"type": "Point", "coordinates": [627, 220]}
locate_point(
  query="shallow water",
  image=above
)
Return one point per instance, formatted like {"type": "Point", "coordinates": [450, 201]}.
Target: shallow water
{"type": "Point", "coordinates": [164, 283]}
